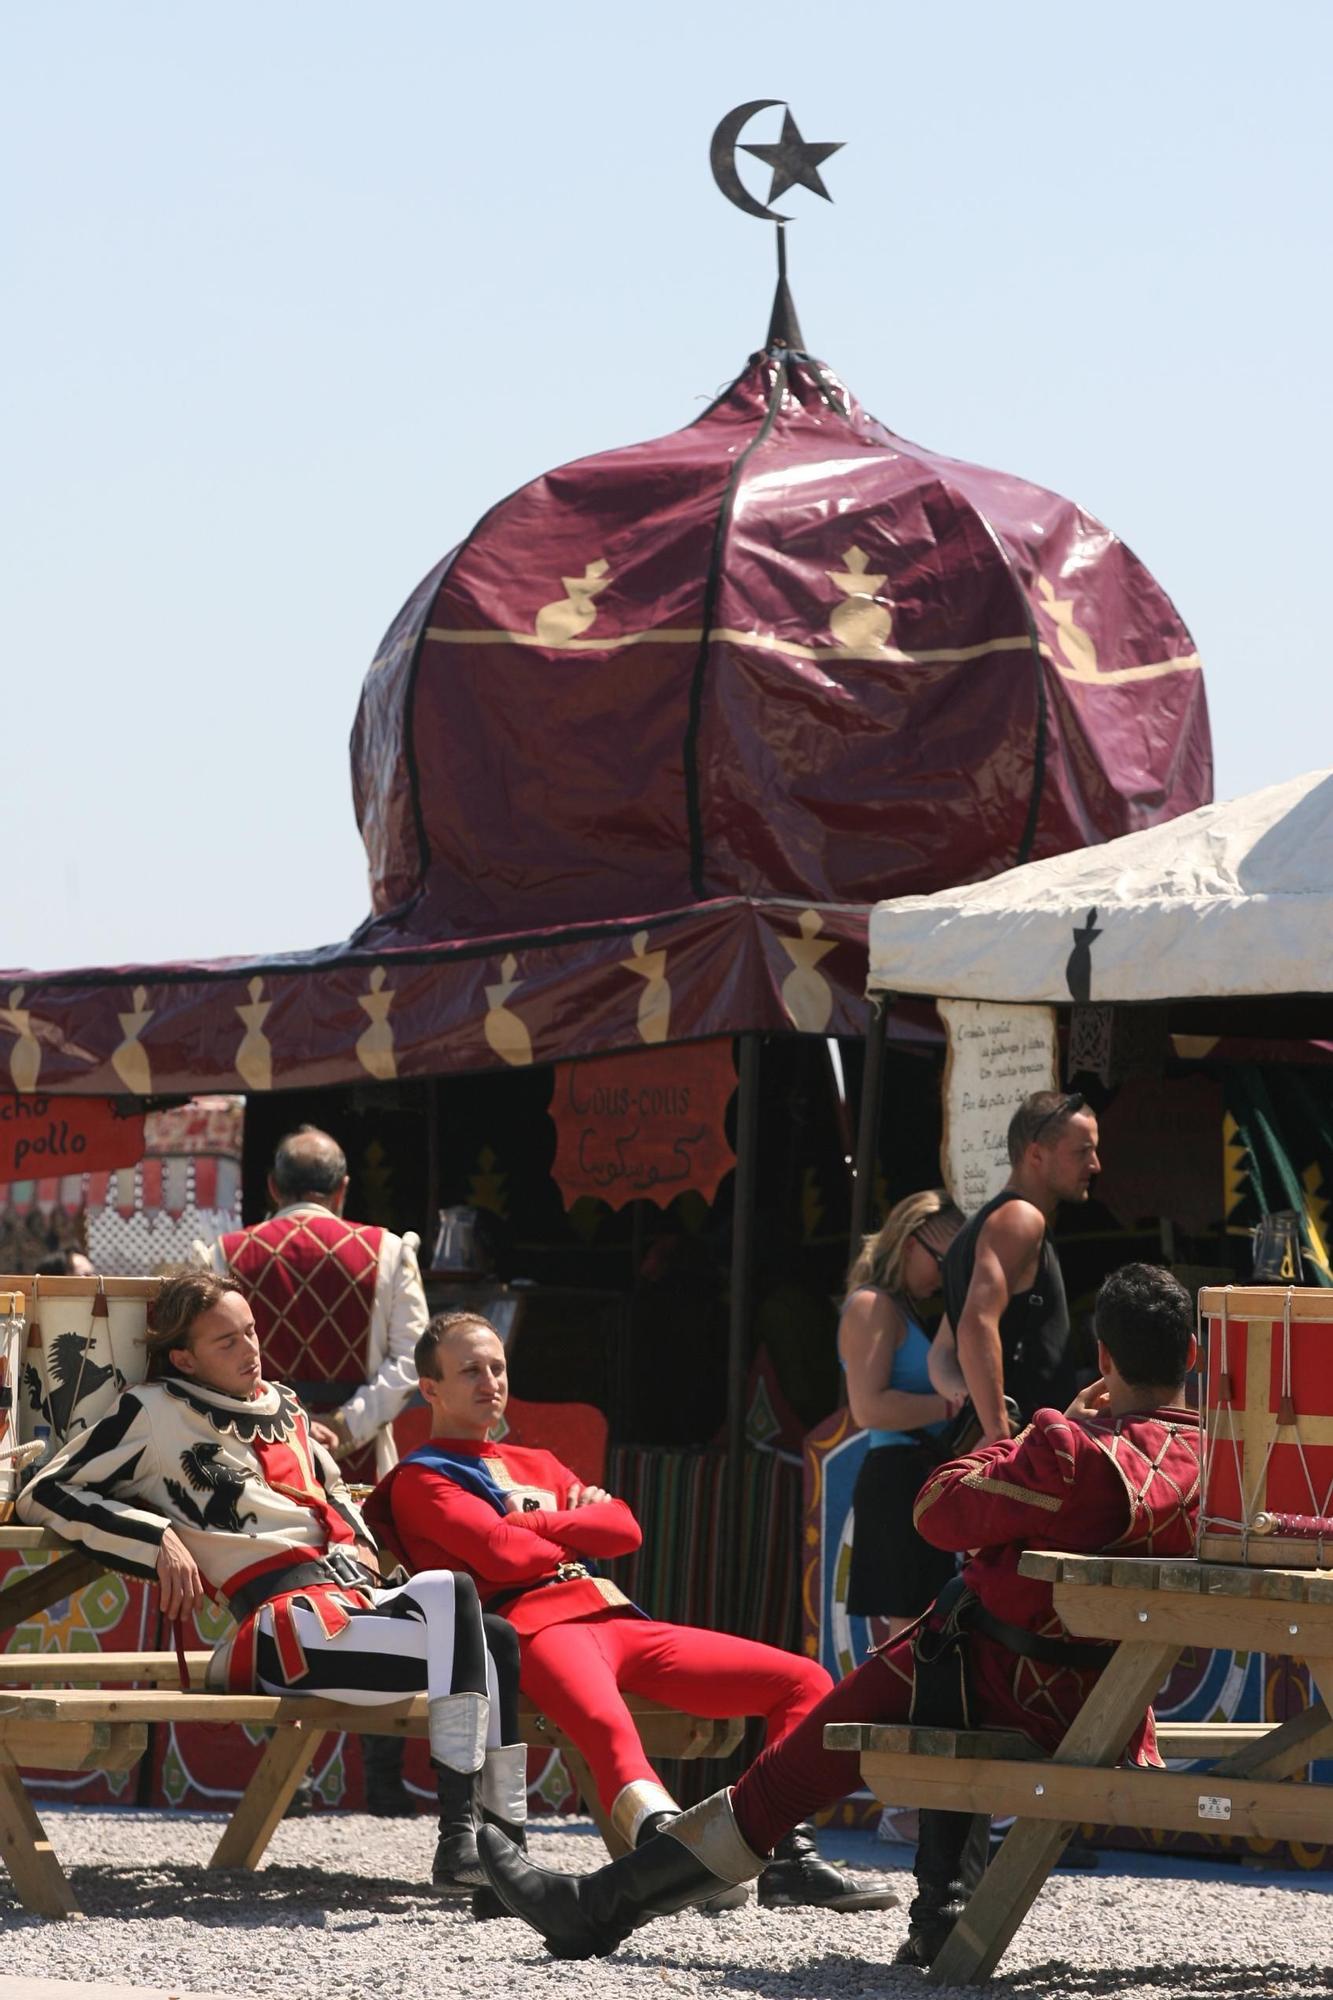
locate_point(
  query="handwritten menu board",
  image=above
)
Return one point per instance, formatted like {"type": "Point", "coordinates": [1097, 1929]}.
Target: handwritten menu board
{"type": "Point", "coordinates": [997, 1056]}
{"type": "Point", "coordinates": [648, 1123]}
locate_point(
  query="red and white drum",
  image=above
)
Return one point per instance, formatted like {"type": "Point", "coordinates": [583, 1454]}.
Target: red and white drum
{"type": "Point", "coordinates": [1267, 1427]}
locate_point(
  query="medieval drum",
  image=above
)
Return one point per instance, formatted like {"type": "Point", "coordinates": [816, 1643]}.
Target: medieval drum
{"type": "Point", "coordinates": [84, 1343]}
{"type": "Point", "coordinates": [1268, 1427]}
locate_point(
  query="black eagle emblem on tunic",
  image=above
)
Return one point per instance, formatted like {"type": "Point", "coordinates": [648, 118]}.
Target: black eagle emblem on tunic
{"type": "Point", "coordinates": [75, 1377]}
{"type": "Point", "coordinates": [224, 1488]}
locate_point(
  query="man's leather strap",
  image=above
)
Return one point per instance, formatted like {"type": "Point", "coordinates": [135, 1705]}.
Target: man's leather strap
{"type": "Point", "coordinates": [566, 1572]}
{"type": "Point", "coordinates": [335, 1568]}
{"type": "Point", "coordinates": [1079, 1654]}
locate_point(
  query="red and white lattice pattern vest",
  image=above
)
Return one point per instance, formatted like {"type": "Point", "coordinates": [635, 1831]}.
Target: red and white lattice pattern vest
{"type": "Point", "coordinates": [309, 1278]}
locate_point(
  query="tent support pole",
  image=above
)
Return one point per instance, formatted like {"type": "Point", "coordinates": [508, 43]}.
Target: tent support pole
{"type": "Point", "coordinates": [738, 1332]}
{"type": "Point", "coordinates": [432, 1170]}
{"type": "Point", "coordinates": [867, 1130]}
{"type": "Point", "coordinates": [742, 1244]}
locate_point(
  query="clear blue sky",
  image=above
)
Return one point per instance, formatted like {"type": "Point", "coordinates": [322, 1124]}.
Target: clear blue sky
{"type": "Point", "coordinates": [295, 291]}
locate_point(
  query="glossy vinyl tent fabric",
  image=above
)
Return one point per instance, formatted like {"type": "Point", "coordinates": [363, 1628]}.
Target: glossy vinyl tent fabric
{"type": "Point", "coordinates": [779, 652]}
{"type": "Point", "coordinates": [635, 759]}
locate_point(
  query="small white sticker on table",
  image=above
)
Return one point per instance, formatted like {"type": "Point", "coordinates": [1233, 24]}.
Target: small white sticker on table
{"type": "Point", "coordinates": [1211, 1806]}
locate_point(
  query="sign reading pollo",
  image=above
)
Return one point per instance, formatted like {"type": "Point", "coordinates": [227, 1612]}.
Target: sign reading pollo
{"type": "Point", "coordinates": [643, 1126]}
{"type": "Point", "coordinates": [43, 1137]}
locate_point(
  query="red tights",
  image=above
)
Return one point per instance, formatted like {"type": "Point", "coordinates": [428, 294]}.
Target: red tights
{"type": "Point", "coordinates": [576, 1674]}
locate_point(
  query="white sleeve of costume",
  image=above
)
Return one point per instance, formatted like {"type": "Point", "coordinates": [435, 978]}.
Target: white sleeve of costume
{"type": "Point", "coordinates": [397, 1323]}
{"type": "Point", "coordinates": [87, 1491]}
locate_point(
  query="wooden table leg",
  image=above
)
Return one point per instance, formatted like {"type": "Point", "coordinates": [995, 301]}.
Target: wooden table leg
{"type": "Point", "coordinates": [1013, 1881]}
{"type": "Point", "coordinates": [267, 1796]}
{"type": "Point", "coordinates": [39, 1880]}
{"type": "Point", "coordinates": [41, 1588]}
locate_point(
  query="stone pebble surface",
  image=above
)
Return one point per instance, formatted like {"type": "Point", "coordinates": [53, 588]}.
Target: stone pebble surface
{"type": "Point", "coordinates": [341, 1910]}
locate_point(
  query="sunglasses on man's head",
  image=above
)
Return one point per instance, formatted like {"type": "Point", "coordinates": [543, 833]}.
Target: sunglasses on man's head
{"type": "Point", "coordinates": [1064, 1109]}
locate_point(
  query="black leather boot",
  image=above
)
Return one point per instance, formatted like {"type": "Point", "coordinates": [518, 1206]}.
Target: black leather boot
{"type": "Point", "coordinates": [457, 1869]}
{"type": "Point", "coordinates": [731, 1896]}
{"type": "Point", "coordinates": [798, 1877]}
{"type": "Point", "coordinates": [950, 1861]}
{"type": "Point", "coordinates": [587, 1916]}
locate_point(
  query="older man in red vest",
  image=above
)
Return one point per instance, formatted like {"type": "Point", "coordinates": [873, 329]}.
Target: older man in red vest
{"type": "Point", "coordinates": [338, 1307]}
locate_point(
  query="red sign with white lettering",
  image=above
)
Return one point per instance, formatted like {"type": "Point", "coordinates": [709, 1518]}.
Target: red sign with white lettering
{"type": "Point", "coordinates": [644, 1126]}
{"type": "Point", "coordinates": [42, 1137]}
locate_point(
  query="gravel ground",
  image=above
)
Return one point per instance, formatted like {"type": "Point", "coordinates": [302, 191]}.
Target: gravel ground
{"type": "Point", "coordinates": [340, 1912]}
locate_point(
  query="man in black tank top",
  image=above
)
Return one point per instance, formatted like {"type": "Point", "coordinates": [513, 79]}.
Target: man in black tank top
{"type": "Point", "coordinates": [1006, 1326]}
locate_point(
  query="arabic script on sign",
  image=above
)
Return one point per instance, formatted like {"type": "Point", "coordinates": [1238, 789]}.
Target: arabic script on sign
{"type": "Point", "coordinates": [643, 1126]}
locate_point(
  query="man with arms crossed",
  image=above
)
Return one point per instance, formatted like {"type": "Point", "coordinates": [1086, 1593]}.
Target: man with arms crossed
{"type": "Point", "coordinates": [523, 1526]}
{"type": "Point", "coordinates": [1119, 1470]}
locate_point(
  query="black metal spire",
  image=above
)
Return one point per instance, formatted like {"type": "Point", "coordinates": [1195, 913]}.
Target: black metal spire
{"type": "Point", "coordinates": [784, 329]}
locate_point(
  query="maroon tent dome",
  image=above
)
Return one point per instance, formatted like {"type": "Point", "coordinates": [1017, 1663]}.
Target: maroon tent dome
{"type": "Point", "coordinates": [636, 759]}
{"type": "Point", "coordinates": [780, 652]}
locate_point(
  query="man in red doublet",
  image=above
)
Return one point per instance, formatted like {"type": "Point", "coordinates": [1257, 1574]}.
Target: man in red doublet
{"type": "Point", "coordinates": [1119, 1471]}
{"type": "Point", "coordinates": [526, 1530]}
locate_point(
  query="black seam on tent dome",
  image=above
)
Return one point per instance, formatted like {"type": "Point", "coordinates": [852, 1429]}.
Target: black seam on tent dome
{"type": "Point", "coordinates": [711, 587]}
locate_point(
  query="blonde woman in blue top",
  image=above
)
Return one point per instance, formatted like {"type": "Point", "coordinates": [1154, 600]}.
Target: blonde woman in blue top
{"type": "Point", "coordinates": [883, 1348]}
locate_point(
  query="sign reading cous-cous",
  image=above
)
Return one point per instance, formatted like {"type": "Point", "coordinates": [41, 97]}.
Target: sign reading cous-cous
{"type": "Point", "coordinates": [643, 1125]}
{"type": "Point", "coordinates": [997, 1056]}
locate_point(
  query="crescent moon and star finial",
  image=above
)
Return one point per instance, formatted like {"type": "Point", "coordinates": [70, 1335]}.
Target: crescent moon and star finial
{"type": "Point", "coordinates": [795, 161]}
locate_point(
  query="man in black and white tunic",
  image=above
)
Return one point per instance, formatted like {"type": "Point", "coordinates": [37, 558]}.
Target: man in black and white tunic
{"type": "Point", "coordinates": [207, 1481]}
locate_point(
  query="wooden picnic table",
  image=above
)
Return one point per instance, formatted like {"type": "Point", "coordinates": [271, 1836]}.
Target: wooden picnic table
{"type": "Point", "coordinates": [75, 1715]}
{"type": "Point", "coordinates": [1154, 1610]}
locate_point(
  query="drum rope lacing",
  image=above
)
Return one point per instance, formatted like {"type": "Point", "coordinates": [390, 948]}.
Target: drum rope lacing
{"type": "Point", "coordinates": [1287, 1420]}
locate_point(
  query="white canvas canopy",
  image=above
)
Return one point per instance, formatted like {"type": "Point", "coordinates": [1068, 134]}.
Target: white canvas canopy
{"type": "Point", "coordinates": [1233, 900]}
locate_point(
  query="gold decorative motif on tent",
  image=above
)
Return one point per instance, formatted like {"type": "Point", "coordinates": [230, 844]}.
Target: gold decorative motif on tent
{"type": "Point", "coordinates": [25, 1058]}
{"type": "Point", "coordinates": [254, 1057]}
{"type": "Point", "coordinates": [806, 993]}
{"type": "Point", "coordinates": [655, 999]}
{"type": "Point", "coordinates": [505, 1032]}
{"type": "Point", "coordinates": [374, 1045]}
{"type": "Point", "coordinates": [1073, 641]}
{"type": "Point", "coordinates": [571, 615]}
{"type": "Point", "coordinates": [860, 623]}
{"type": "Point", "coordinates": [130, 1061]}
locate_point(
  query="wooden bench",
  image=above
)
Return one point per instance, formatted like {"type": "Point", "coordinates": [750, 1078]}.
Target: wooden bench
{"type": "Point", "coordinates": [71, 1716]}
{"type": "Point", "coordinates": [1152, 1609]}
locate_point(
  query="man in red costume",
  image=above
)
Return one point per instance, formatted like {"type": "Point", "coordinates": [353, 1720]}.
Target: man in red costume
{"type": "Point", "coordinates": [1118, 1471]}
{"type": "Point", "coordinates": [526, 1530]}
{"type": "Point", "coordinates": [338, 1306]}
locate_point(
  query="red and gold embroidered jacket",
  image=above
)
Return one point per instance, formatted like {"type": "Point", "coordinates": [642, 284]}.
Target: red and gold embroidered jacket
{"type": "Point", "coordinates": [1094, 1485]}
{"type": "Point", "coordinates": [449, 1517]}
